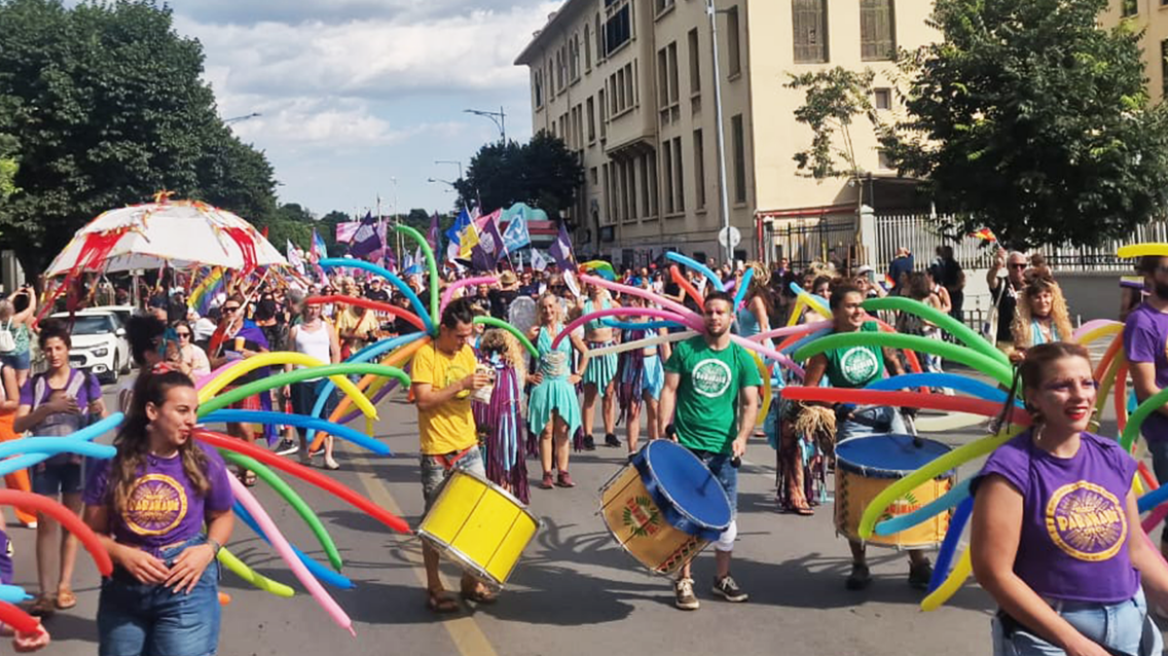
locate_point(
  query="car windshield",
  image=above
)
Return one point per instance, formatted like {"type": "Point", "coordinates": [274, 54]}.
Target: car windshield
{"type": "Point", "coordinates": [91, 325]}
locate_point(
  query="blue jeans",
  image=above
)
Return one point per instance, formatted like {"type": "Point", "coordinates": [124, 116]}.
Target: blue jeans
{"type": "Point", "coordinates": [435, 471]}
{"type": "Point", "coordinates": [1123, 628]}
{"type": "Point", "coordinates": [137, 619]}
{"type": "Point", "coordinates": [873, 420]}
{"type": "Point", "coordinates": [719, 466]}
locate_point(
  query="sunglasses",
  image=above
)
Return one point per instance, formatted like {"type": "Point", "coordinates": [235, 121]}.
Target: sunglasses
{"type": "Point", "coordinates": [232, 308]}
{"type": "Point", "coordinates": [183, 335]}
{"type": "Point", "coordinates": [1018, 265]}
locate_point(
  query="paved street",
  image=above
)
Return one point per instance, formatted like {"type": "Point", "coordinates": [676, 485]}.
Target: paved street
{"type": "Point", "coordinates": [574, 591]}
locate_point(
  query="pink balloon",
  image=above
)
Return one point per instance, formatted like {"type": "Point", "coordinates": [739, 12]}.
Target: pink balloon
{"type": "Point", "coordinates": [768, 352]}
{"type": "Point", "coordinates": [645, 294]}
{"type": "Point", "coordinates": [1091, 325]}
{"type": "Point", "coordinates": [465, 282]}
{"type": "Point", "coordinates": [1153, 520]}
{"type": "Point", "coordinates": [207, 378]}
{"type": "Point", "coordinates": [629, 311]}
{"type": "Point", "coordinates": [791, 330]}
{"type": "Point", "coordinates": [280, 544]}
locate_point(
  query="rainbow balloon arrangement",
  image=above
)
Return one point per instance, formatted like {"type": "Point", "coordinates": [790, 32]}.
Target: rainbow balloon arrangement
{"type": "Point", "coordinates": [978, 401]}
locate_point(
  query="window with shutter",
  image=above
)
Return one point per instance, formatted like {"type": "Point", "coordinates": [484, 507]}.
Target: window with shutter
{"type": "Point", "coordinates": [810, 38]}
{"type": "Point", "coordinates": [877, 30]}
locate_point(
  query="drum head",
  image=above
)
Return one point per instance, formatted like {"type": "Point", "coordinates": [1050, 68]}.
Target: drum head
{"type": "Point", "coordinates": [521, 314]}
{"type": "Point", "coordinates": [694, 491]}
{"type": "Point", "coordinates": [888, 456]}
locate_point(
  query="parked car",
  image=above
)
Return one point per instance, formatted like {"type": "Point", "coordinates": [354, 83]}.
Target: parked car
{"type": "Point", "coordinates": [99, 343]}
{"type": "Point", "coordinates": [124, 312]}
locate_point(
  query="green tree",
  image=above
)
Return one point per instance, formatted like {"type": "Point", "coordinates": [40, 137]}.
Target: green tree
{"type": "Point", "coordinates": [1029, 118]}
{"type": "Point", "coordinates": [833, 99]}
{"type": "Point", "coordinates": [108, 107]}
{"type": "Point", "coordinates": [542, 173]}
{"type": "Point", "coordinates": [290, 222]}
{"type": "Point", "coordinates": [326, 227]}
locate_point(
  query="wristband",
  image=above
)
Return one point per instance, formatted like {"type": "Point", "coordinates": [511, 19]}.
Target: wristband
{"type": "Point", "coordinates": [214, 545]}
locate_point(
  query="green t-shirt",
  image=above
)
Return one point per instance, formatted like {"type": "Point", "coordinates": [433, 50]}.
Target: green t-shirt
{"type": "Point", "coordinates": [707, 397]}
{"type": "Point", "coordinates": [854, 367]}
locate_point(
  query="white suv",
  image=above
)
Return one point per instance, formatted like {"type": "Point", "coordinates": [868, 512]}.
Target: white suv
{"type": "Point", "coordinates": [99, 344]}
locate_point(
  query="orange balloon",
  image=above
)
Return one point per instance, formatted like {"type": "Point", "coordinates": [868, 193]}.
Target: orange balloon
{"type": "Point", "coordinates": [224, 599]}
{"type": "Point", "coordinates": [686, 285]}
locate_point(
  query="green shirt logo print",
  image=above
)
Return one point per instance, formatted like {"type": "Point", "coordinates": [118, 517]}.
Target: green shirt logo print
{"type": "Point", "coordinates": [859, 365]}
{"type": "Point", "coordinates": [711, 378]}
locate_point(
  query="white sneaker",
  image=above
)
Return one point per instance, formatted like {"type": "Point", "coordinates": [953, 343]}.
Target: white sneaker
{"type": "Point", "coordinates": [684, 595]}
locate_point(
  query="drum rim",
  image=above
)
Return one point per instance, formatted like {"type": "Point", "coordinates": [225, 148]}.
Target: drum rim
{"type": "Point", "coordinates": [669, 497]}
{"type": "Point", "coordinates": [455, 553]}
{"type": "Point", "coordinates": [842, 463]}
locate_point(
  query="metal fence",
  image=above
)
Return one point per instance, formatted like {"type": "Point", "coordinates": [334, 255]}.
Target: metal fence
{"type": "Point", "coordinates": [802, 241]}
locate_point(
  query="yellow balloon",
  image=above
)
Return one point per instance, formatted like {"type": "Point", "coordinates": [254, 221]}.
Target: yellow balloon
{"type": "Point", "coordinates": [1098, 333]}
{"type": "Point", "coordinates": [240, 569]}
{"type": "Point", "coordinates": [224, 379]}
{"type": "Point", "coordinates": [952, 584]}
{"type": "Point", "coordinates": [814, 304]}
{"type": "Point", "coordinates": [766, 388]}
{"type": "Point", "coordinates": [1140, 250]}
{"type": "Point", "coordinates": [797, 311]}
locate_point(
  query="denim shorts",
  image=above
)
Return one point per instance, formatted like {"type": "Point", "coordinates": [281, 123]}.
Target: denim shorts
{"type": "Point", "coordinates": [435, 472]}
{"type": "Point", "coordinates": [135, 618]}
{"type": "Point", "coordinates": [719, 465]}
{"type": "Point", "coordinates": [873, 421]}
{"type": "Point", "coordinates": [304, 396]}
{"type": "Point", "coordinates": [20, 361]}
{"type": "Point", "coordinates": [51, 479]}
{"type": "Point", "coordinates": [1122, 628]}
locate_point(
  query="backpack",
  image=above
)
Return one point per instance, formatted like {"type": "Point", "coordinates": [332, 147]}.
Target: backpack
{"type": "Point", "coordinates": [7, 339]}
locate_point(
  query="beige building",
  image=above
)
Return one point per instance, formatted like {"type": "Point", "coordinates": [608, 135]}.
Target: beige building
{"type": "Point", "coordinates": [1151, 18]}
{"type": "Point", "coordinates": [628, 84]}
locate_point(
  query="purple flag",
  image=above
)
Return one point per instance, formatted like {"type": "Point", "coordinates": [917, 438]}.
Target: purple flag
{"type": "Point", "coordinates": [561, 250]}
{"type": "Point", "coordinates": [367, 240]}
{"type": "Point", "coordinates": [487, 252]}
{"type": "Point", "coordinates": [432, 233]}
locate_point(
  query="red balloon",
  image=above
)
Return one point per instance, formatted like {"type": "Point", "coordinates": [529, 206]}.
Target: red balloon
{"type": "Point", "coordinates": [903, 399]}
{"type": "Point", "coordinates": [370, 305]}
{"type": "Point", "coordinates": [70, 521]}
{"type": "Point", "coordinates": [686, 285]}
{"type": "Point", "coordinates": [18, 619]}
{"type": "Point", "coordinates": [375, 511]}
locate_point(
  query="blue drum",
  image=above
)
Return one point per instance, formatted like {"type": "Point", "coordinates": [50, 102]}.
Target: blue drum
{"type": "Point", "coordinates": [664, 507]}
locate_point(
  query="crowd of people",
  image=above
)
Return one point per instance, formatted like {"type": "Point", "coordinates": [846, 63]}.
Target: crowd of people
{"type": "Point", "coordinates": [485, 405]}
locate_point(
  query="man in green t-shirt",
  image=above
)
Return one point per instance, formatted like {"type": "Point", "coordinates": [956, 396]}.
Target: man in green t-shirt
{"type": "Point", "coordinates": [712, 383]}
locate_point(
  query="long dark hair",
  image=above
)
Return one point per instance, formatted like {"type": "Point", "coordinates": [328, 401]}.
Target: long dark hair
{"type": "Point", "coordinates": [1030, 373]}
{"type": "Point", "coordinates": [133, 441]}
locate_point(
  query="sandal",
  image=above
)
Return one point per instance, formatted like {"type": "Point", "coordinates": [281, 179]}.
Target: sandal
{"type": "Point", "coordinates": [479, 595]}
{"type": "Point", "coordinates": [805, 511]}
{"type": "Point", "coordinates": [66, 599]}
{"type": "Point", "coordinates": [42, 606]}
{"type": "Point", "coordinates": [437, 601]}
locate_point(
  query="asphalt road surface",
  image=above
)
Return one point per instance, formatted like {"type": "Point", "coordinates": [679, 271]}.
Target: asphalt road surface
{"type": "Point", "coordinates": [574, 592]}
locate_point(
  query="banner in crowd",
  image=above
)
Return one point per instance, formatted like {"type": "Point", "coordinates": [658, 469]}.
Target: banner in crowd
{"type": "Point", "coordinates": [516, 235]}
{"type": "Point", "coordinates": [345, 231]}
{"type": "Point", "coordinates": [561, 250]}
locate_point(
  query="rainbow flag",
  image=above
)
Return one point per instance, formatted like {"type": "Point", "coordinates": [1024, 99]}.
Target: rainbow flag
{"type": "Point", "coordinates": [888, 283]}
{"type": "Point", "coordinates": [985, 234]}
{"type": "Point", "coordinates": [206, 291]}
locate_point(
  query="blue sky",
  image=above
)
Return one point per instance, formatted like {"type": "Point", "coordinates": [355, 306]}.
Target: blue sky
{"type": "Point", "coordinates": [354, 93]}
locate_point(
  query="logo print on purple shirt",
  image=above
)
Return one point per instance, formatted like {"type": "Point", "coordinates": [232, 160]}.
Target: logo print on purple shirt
{"type": "Point", "coordinates": [157, 504]}
{"type": "Point", "coordinates": [1086, 521]}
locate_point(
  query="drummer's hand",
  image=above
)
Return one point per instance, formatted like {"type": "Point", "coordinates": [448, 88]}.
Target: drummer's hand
{"type": "Point", "coordinates": [739, 447]}
{"type": "Point", "coordinates": [670, 432]}
{"type": "Point", "coordinates": [476, 381]}
{"type": "Point", "coordinates": [1084, 646]}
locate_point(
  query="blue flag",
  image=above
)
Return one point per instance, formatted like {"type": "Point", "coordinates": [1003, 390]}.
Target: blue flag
{"type": "Point", "coordinates": [454, 232]}
{"type": "Point", "coordinates": [516, 235]}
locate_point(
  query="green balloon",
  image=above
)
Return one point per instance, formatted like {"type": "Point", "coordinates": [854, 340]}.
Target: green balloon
{"type": "Point", "coordinates": [431, 264]}
{"type": "Point", "coordinates": [943, 321]}
{"type": "Point", "coordinates": [1153, 404]}
{"type": "Point", "coordinates": [295, 500]}
{"type": "Point", "coordinates": [966, 356]}
{"type": "Point", "coordinates": [295, 376]}
{"type": "Point", "coordinates": [497, 323]}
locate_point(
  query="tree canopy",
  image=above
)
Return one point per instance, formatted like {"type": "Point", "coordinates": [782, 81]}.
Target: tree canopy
{"type": "Point", "coordinates": [542, 173]}
{"type": "Point", "coordinates": [1030, 119]}
{"type": "Point", "coordinates": [106, 106]}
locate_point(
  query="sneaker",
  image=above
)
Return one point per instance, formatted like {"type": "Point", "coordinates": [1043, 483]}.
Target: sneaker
{"type": "Point", "coordinates": [919, 575]}
{"type": "Point", "coordinates": [611, 440]}
{"type": "Point", "coordinates": [589, 443]}
{"type": "Point", "coordinates": [547, 483]}
{"type": "Point", "coordinates": [684, 595]}
{"type": "Point", "coordinates": [859, 579]}
{"type": "Point", "coordinates": [728, 589]}
{"type": "Point", "coordinates": [286, 447]}
{"type": "Point", "coordinates": [563, 479]}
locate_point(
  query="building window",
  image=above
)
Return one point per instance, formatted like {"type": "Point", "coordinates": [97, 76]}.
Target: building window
{"type": "Point", "coordinates": [667, 174]}
{"type": "Point", "coordinates": [695, 63]}
{"type": "Point", "coordinates": [699, 151]}
{"type": "Point", "coordinates": [733, 46]}
{"type": "Point", "coordinates": [587, 48]}
{"type": "Point", "coordinates": [599, 33]}
{"type": "Point", "coordinates": [667, 79]}
{"type": "Point", "coordinates": [574, 58]}
{"type": "Point", "coordinates": [679, 186]}
{"type": "Point", "coordinates": [591, 120]}
{"type": "Point", "coordinates": [617, 30]}
{"type": "Point", "coordinates": [646, 205]}
{"type": "Point", "coordinates": [739, 142]}
{"type": "Point", "coordinates": [662, 5]}
{"type": "Point", "coordinates": [631, 174]}
{"type": "Point", "coordinates": [1130, 7]}
{"type": "Point", "coordinates": [594, 176]}
{"type": "Point", "coordinates": [537, 84]}
{"type": "Point", "coordinates": [884, 162]}
{"type": "Point", "coordinates": [810, 20]}
{"type": "Point", "coordinates": [652, 184]}
{"type": "Point", "coordinates": [603, 114]}
{"type": "Point", "coordinates": [882, 98]}
{"type": "Point", "coordinates": [877, 30]}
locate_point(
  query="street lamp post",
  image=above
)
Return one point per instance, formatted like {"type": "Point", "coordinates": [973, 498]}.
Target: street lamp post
{"type": "Point", "coordinates": [237, 119]}
{"type": "Point", "coordinates": [718, 132]}
{"type": "Point", "coordinates": [455, 162]}
{"type": "Point", "coordinates": [499, 117]}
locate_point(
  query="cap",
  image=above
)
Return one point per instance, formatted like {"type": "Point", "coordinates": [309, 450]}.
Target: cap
{"type": "Point", "coordinates": [864, 269]}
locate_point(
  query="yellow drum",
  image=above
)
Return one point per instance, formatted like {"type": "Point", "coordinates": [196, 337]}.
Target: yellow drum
{"type": "Point", "coordinates": [664, 507]}
{"type": "Point", "coordinates": [480, 526]}
{"type": "Point", "coordinates": [865, 466]}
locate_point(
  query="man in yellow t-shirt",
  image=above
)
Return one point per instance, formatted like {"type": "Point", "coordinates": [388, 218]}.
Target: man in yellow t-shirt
{"type": "Point", "coordinates": [443, 378]}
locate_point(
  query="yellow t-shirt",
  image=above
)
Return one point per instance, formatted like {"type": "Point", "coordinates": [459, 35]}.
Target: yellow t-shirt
{"type": "Point", "coordinates": [449, 427]}
{"type": "Point", "coordinates": [348, 321]}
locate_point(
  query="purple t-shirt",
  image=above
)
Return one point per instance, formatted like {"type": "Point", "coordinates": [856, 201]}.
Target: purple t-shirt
{"type": "Point", "coordinates": [163, 508]}
{"type": "Point", "coordinates": [88, 389]}
{"type": "Point", "coordinates": [1145, 339]}
{"type": "Point", "coordinates": [1074, 537]}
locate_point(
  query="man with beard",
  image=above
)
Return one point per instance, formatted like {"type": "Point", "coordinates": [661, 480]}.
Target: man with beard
{"type": "Point", "coordinates": [713, 385]}
{"type": "Point", "coordinates": [1145, 336]}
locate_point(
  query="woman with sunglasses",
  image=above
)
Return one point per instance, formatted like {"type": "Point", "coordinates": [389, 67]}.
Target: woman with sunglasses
{"type": "Point", "coordinates": [192, 359]}
{"type": "Point", "coordinates": [239, 338]}
{"type": "Point", "coordinates": [1056, 536]}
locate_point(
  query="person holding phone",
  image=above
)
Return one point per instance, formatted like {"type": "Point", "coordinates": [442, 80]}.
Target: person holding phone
{"type": "Point", "coordinates": [17, 314]}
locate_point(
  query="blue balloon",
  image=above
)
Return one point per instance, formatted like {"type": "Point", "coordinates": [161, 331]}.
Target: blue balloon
{"type": "Point", "coordinates": [388, 275]}
{"type": "Point", "coordinates": [964, 384]}
{"type": "Point", "coordinates": [949, 544]}
{"type": "Point", "coordinates": [13, 594]}
{"type": "Point", "coordinates": [55, 445]}
{"type": "Point", "coordinates": [743, 286]}
{"type": "Point", "coordinates": [1152, 499]}
{"type": "Point", "coordinates": [318, 570]}
{"type": "Point", "coordinates": [88, 433]}
{"type": "Point", "coordinates": [364, 355]}
{"type": "Point", "coordinates": [799, 290]}
{"type": "Point", "coordinates": [644, 325]}
{"type": "Point", "coordinates": [697, 266]}
{"type": "Point", "coordinates": [954, 496]}
{"type": "Point", "coordinates": [261, 417]}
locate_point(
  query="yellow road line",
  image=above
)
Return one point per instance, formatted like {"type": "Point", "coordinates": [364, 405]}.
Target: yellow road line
{"type": "Point", "coordinates": [468, 637]}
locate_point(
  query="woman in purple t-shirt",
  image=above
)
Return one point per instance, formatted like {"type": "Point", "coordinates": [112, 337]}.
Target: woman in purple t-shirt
{"type": "Point", "coordinates": [1052, 522]}
{"type": "Point", "coordinates": [149, 505]}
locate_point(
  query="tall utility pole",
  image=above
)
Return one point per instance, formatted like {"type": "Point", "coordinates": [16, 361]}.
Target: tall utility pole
{"type": "Point", "coordinates": [499, 117]}
{"type": "Point", "coordinates": [396, 219]}
{"type": "Point", "coordinates": [718, 132]}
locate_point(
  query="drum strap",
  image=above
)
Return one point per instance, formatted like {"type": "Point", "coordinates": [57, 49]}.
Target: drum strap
{"type": "Point", "coordinates": [449, 460]}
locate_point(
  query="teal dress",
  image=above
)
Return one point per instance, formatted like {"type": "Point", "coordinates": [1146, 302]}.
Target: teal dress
{"type": "Point", "coordinates": [601, 369]}
{"type": "Point", "coordinates": [555, 393]}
